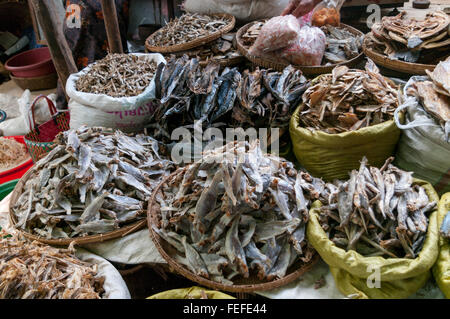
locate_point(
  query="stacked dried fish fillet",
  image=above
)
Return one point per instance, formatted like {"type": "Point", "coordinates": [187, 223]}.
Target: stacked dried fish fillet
{"type": "Point", "coordinates": [118, 75]}
{"type": "Point", "coordinates": [347, 100]}
{"type": "Point", "coordinates": [237, 212]}
{"type": "Point", "coordinates": [31, 270]}
{"type": "Point", "coordinates": [220, 50]}
{"type": "Point", "coordinates": [412, 40]}
{"type": "Point", "coordinates": [377, 212]}
{"type": "Point", "coordinates": [188, 27]}
{"type": "Point", "coordinates": [342, 45]}
{"type": "Point", "coordinates": [189, 93]}
{"type": "Point", "coordinates": [94, 181]}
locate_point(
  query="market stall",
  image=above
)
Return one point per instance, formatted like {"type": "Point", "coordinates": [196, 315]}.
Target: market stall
{"type": "Point", "coordinates": [272, 159]}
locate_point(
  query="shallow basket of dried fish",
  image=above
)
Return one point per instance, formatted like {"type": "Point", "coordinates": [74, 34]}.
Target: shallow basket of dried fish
{"type": "Point", "coordinates": [123, 231]}
{"type": "Point", "coordinates": [250, 284]}
{"type": "Point", "coordinates": [194, 43]}
{"type": "Point", "coordinates": [400, 277]}
{"type": "Point", "coordinates": [396, 65]}
{"type": "Point", "coordinates": [279, 66]}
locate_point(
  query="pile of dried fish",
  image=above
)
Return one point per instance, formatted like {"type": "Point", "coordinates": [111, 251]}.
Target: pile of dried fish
{"type": "Point", "coordinates": [12, 153]}
{"type": "Point", "coordinates": [237, 212]}
{"type": "Point", "coordinates": [252, 33]}
{"type": "Point", "coordinates": [118, 75]}
{"type": "Point", "coordinates": [219, 50]}
{"type": "Point", "coordinates": [412, 40]}
{"type": "Point", "coordinates": [342, 45]}
{"type": "Point", "coordinates": [435, 95]}
{"type": "Point", "coordinates": [188, 27]}
{"type": "Point", "coordinates": [377, 212]}
{"type": "Point", "coordinates": [267, 98]}
{"type": "Point", "coordinates": [187, 93]}
{"type": "Point", "coordinates": [94, 181]}
{"type": "Point", "coordinates": [31, 270]}
{"type": "Point", "coordinates": [347, 100]}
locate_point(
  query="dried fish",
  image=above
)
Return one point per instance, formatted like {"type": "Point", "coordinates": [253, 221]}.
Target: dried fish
{"type": "Point", "coordinates": [347, 100]}
{"type": "Point", "coordinates": [188, 27]}
{"type": "Point", "coordinates": [117, 75]}
{"type": "Point", "coordinates": [220, 50]}
{"type": "Point", "coordinates": [105, 199]}
{"type": "Point", "coordinates": [342, 45]}
{"type": "Point", "coordinates": [32, 270]}
{"type": "Point", "coordinates": [187, 93]}
{"type": "Point", "coordinates": [242, 215]}
{"type": "Point", "coordinates": [369, 224]}
{"type": "Point", "coordinates": [409, 39]}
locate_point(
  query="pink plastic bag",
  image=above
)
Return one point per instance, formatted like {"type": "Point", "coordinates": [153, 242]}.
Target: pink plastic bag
{"type": "Point", "coordinates": [277, 33]}
{"type": "Point", "coordinates": [308, 50]}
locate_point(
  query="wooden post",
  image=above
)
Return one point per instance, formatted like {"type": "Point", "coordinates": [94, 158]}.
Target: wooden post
{"type": "Point", "coordinates": [112, 26]}
{"type": "Point", "coordinates": [51, 26]}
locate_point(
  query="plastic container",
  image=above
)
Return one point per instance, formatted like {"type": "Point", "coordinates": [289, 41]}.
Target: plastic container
{"type": "Point", "coordinates": [18, 171]}
{"type": "Point", "coordinates": [31, 63]}
{"type": "Point", "coordinates": [7, 188]}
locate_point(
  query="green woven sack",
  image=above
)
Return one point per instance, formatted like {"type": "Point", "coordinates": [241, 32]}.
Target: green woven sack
{"type": "Point", "coordinates": [399, 277]}
{"type": "Point", "coordinates": [441, 269]}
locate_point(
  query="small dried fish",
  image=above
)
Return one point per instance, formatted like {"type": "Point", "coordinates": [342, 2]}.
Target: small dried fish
{"type": "Point", "coordinates": [107, 195]}
{"type": "Point", "coordinates": [372, 226]}
{"type": "Point", "coordinates": [32, 270]}
{"type": "Point", "coordinates": [188, 27]}
{"type": "Point", "coordinates": [252, 226]}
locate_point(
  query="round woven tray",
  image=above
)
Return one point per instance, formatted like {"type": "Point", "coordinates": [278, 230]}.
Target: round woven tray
{"type": "Point", "coordinates": [279, 66]}
{"type": "Point", "coordinates": [396, 65]}
{"type": "Point", "coordinates": [194, 43]}
{"type": "Point", "coordinates": [123, 231]}
{"type": "Point", "coordinates": [250, 284]}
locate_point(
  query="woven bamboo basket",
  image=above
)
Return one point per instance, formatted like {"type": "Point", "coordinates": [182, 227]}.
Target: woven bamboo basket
{"type": "Point", "coordinates": [241, 285]}
{"type": "Point", "coordinates": [123, 231]}
{"type": "Point", "coordinates": [194, 43]}
{"type": "Point", "coordinates": [279, 66]}
{"type": "Point", "coordinates": [396, 65]}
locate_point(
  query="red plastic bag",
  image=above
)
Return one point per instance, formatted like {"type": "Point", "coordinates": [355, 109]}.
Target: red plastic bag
{"type": "Point", "coordinates": [309, 48]}
{"type": "Point", "coordinates": [277, 33]}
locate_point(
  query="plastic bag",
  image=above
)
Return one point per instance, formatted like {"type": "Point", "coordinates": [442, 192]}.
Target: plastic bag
{"type": "Point", "coordinates": [129, 114]}
{"type": "Point", "coordinates": [277, 33]}
{"type": "Point", "coordinates": [441, 269]}
{"type": "Point", "coordinates": [399, 277]}
{"type": "Point", "coordinates": [327, 12]}
{"type": "Point", "coordinates": [309, 48]}
{"type": "Point", "coordinates": [422, 147]}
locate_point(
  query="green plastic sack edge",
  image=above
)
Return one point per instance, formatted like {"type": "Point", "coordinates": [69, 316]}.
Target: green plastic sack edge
{"type": "Point", "coordinates": [441, 269]}
{"type": "Point", "coordinates": [190, 293]}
